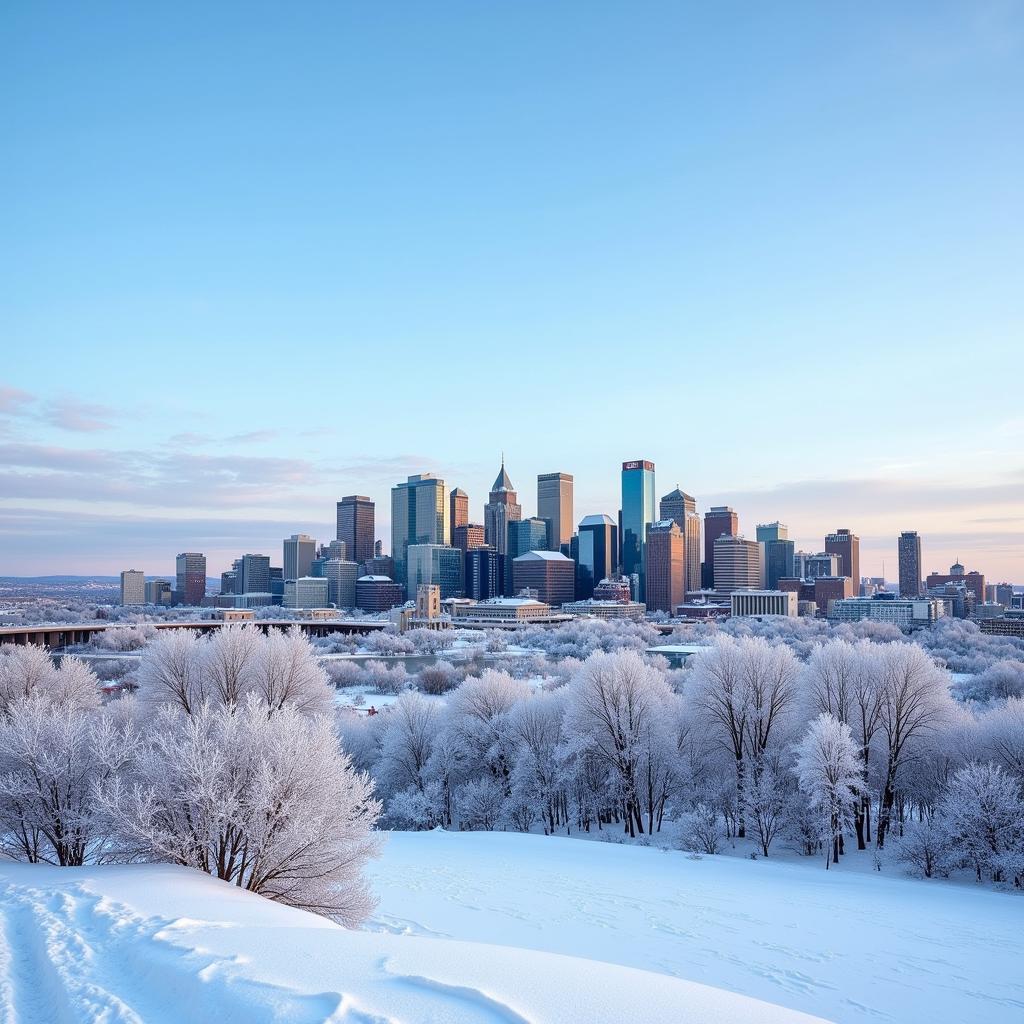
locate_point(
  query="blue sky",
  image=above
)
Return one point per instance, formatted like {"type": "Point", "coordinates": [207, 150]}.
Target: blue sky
{"type": "Point", "coordinates": [255, 257]}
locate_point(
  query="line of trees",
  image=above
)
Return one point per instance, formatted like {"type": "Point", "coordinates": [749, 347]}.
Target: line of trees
{"type": "Point", "coordinates": [228, 762]}
{"type": "Point", "coordinates": [861, 742]}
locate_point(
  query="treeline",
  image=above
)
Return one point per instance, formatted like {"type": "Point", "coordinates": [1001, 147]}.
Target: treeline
{"type": "Point", "coordinates": [861, 743]}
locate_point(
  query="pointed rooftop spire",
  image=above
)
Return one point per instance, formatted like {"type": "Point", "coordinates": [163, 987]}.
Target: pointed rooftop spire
{"type": "Point", "coordinates": [501, 481]}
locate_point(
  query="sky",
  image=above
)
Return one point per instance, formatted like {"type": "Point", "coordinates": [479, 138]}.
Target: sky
{"type": "Point", "coordinates": [255, 257]}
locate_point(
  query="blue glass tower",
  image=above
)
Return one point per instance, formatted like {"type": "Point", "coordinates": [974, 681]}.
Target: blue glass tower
{"type": "Point", "coordinates": [638, 510]}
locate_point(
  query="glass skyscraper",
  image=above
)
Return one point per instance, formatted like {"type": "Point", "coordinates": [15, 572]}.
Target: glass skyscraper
{"type": "Point", "coordinates": [638, 510]}
{"type": "Point", "coordinates": [419, 515]}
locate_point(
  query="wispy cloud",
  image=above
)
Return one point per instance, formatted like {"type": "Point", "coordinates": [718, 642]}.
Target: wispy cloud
{"type": "Point", "coordinates": [14, 401]}
{"type": "Point", "coordinates": [70, 413]}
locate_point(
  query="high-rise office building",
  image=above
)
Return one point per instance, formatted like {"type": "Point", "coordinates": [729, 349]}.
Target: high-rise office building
{"type": "Point", "coordinates": [738, 564]}
{"type": "Point", "coordinates": [253, 575]}
{"type": "Point", "coordinates": [484, 573]}
{"type": "Point", "coordinates": [554, 504]}
{"type": "Point", "coordinates": [820, 565]}
{"type": "Point", "coordinates": [719, 521]}
{"type": "Point", "coordinates": [229, 582]}
{"type": "Point", "coordinates": [299, 552]}
{"type": "Point", "coordinates": [378, 593]}
{"type": "Point", "coordinates": [523, 535]}
{"type": "Point", "coordinates": [468, 536]}
{"type": "Point", "coordinates": [306, 592]}
{"type": "Point", "coordinates": [334, 549]}
{"type": "Point", "coordinates": [682, 507]}
{"type": "Point", "coordinates": [595, 552]}
{"type": "Point", "coordinates": [419, 515]}
{"type": "Point", "coordinates": [501, 509]}
{"type": "Point", "coordinates": [356, 526]}
{"type": "Point", "coordinates": [779, 552]}
{"type": "Point", "coordinates": [909, 545]}
{"type": "Point", "coordinates": [190, 578]}
{"type": "Point", "coordinates": [158, 592]}
{"type": "Point", "coordinates": [638, 512]}
{"type": "Point", "coordinates": [341, 576]}
{"type": "Point", "coordinates": [133, 586]}
{"type": "Point", "coordinates": [458, 513]}
{"type": "Point", "coordinates": [439, 564]}
{"type": "Point", "coordinates": [847, 546]}
{"type": "Point", "coordinates": [666, 573]}
{"type": "Point", "coordinates": [550, 573]}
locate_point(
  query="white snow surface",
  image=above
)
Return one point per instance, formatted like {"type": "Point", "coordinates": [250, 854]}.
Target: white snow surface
{"type": "Point", "coordinates": [159, 944]}
{"type": "Point", "coordinates": [849, 945]}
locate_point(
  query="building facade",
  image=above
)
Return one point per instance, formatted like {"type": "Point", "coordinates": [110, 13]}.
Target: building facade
{"type": "Point", "coordinates": [468, 536]}
{"type": "Point", "coordinates": [299, 552]}
{"type": "Point", "coordinates": [439, 564]}
{"type": "Point", "coordinates": [484, 573]}
{"type": "Point", "coordinates": [159, 592]}
{"type": "Point", "coordinates": [907, 614]}
{"type": "Point", "coordinates": [719, 521]}
{"type": "Point", "coordinates": [458, 512]}
{"type": "Point", "coordinates": [501, 509]}
{"type": "Point", "coordinates": [763, 602]}
{"type": "Point", "coordinates": [847, 546]}
{"type": "Point", "coordinates": [595, 553]}
{"type": "Point", "coordinates": [523, 535]}
{"type": "Point", "coordinates": [831, 588]}
{"type": "Point", "coordinates": [554, 504]}
{"type": "Point", "coordinates": [550, 573]}
{"type": "Point", "coordinates": [306, 592]}
{"type": "Point", "coordinates": [190, 578]}
{"type": "Point", "coordinates": [737, 564]}
{"type": "Point", "coordinates": [357, 526]}
{"type": "Point", "coordinates": [638, 512]}
{"type": "Point", "coordinates": [419, 515]}
{"type": "Point", "coordinates": [682, 507]}
{"type": "Point", "coordinates": [666, 568]}
{"type": "Point", "coordinates": [133, 587]}
{"type": "Point", "coordinates": [378, 593]}
{"type": "Point", "coordinates": [253, 575]}
{"type": "Point", "coordinates": [910, 564]}
{"type": "Point", "coordinates": [341, 576]}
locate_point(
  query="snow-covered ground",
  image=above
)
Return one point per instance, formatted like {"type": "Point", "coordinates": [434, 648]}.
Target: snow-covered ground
{"type": "Point", "coordinates": [845, 945]}
{"type": "Point", "coordinates": [156, 944]}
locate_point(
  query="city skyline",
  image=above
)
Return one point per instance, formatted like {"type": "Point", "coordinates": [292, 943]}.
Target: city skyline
{"type": "Point", "coordinates": [232, 297]}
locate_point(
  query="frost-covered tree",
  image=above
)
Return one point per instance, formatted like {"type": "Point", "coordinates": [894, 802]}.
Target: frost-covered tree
{"type": "Point", "coordinates": [914, 698]}
{"type": "Point", "coordinates": [535, 726]}
{"type": "Point", "coordinates": [619, 707]}
{"type": "Point", "coordinates": [983, 816]}
{"type": "Point", "coordinates": [1001, 736]}
{"type": "Point", "coordinates": [765, 800]}
{"type": "Point", "coordinates": [286, 673]}
{"type": "Point", "coordinates": [266, 801]}
{"type": "Point", "coordinates": [745, 690]}
{"type": "Point", "coordinates": [52, 756]}
{"type": "Point", "coordinates": [924, 848]}
{"type": "Point", "coordinates": [28, 671]}
{"type": "Point", "coordinates": [828, 770]}
{"type": "Point", "coordinates": [408, 731]}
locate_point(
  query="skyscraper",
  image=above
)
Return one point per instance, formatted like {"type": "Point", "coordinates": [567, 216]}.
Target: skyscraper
{"type": "Point", "coordinates": [596, 553]}
{"type": "Point", "coordinates": [910, 563]}
{"type": "Point", "coordinates": [523, 535]}
{"type": "Point", "coordinates": [190, 578]}
{"type": "Point", "coordinates": [341, 576]}
{"type": "Point", "coordinates": [458, 514]}
{"type": "Point", "coordinates": [665, 566]}
{"type": "Point", "coordinates": [737, 563]}
{"type": "Point", "coordinates": [554, 503]}
{"type": "Point", "coordinates": [484, 573]}
{"type": "Point", "coordinates": [133, 586]}
{"type": "Point", "coordinates": [638, 513]}
{"type": "Point", "coordinates": [468, 536]}
{"type": "Point", "coordinates": [299, 552]}
{"type": "Point", "coordinates": [501, 509]}
{"type": "Point", "coordinates": [778, 552]}
{"type": "Point", "coordinates": [253, 575]}
{"type": "Point", "coordinates": [419, 515]}
{"type": "Point", "coordinates": [439, 564]}
{"type": "Point", "coordinates": [681, 507]}
{"type": "Point", "coordinates": [847, 546]}
{"type": "Point", "coordinates": [719, 521]}
{"type": "Point", "coordinates": [356, 526]}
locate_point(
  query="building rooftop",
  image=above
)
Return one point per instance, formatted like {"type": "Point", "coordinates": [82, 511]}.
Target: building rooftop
{"type": "Point", "coordinates": [375, 579]}
{"type": "Point", "coordinates": [597, 520]}
{"type": "Point", "coordinates": [542, 556]}
{"type": "Point", "coordinates": [512, 602]}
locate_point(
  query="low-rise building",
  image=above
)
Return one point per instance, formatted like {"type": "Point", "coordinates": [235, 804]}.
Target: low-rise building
{"type": "Point", "coordinates": [764, 602]}
{"type": "Point", "coordinates": [634, 610]}
{"type": "Point", "coordinates": [550, 573]}
{"type": "Point", "coordinates": [306, 592]}
{"type": "Point", "coordinates": [907, 614]}
{"type": "Point", "coordinates": [378, 593]}
{"type": "Point", "coordinates": [505, 611]}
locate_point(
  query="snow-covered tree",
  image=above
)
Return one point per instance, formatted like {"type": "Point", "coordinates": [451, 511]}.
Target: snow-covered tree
{"type": "Point", "coordinates": [983, 816]}
{"type": "Point", "coordinates": [52, 756]}
{"type": "Point", "coordinates": [27, 671]}
{"type": "Point", "coordinates": [828, 770]}
{"type": "Point", "coordinates": [914, 698]}
{"type": "Point", "coordinates": [266, 801]}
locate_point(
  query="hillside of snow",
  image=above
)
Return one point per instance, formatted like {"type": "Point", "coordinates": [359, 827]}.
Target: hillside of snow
{"type": "Point", "coordinates": [157, 944]}
{"type": "Point", "coordinates": [849, 945]}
